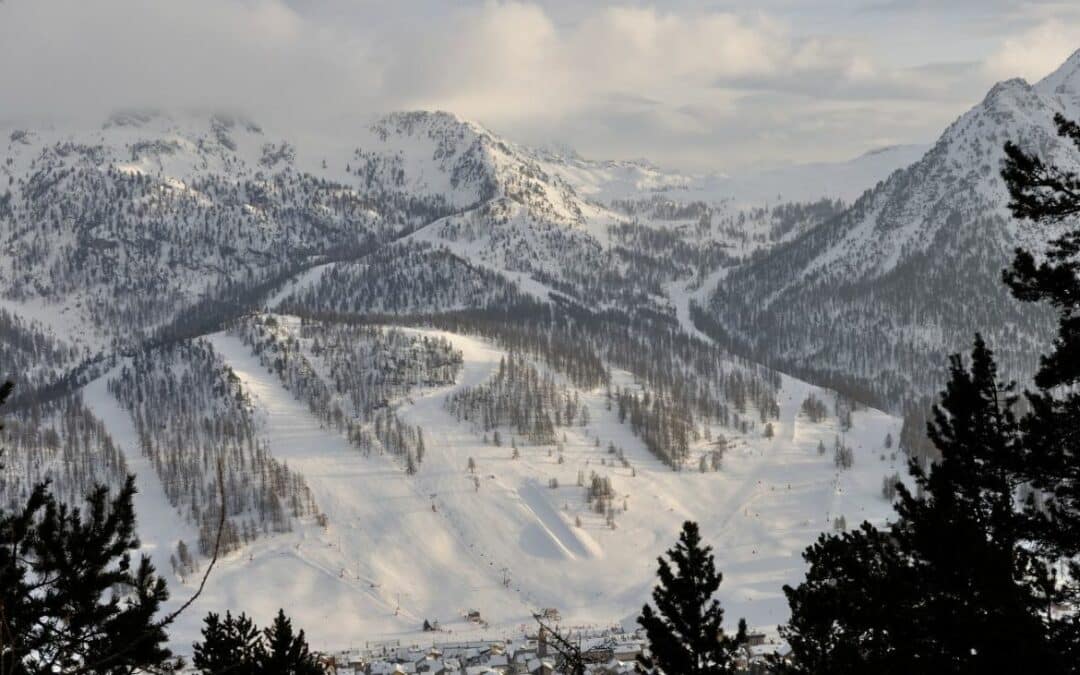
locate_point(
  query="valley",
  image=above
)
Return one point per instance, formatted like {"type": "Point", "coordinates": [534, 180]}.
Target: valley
{"type": "Point", "coordinates": [399, 549]}
{"type": "Point", "coordinates": [428, 371]}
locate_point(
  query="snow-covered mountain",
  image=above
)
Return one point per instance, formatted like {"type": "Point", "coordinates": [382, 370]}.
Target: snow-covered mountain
{"type": "Point", "coordinates": [613, 180]}
{"type": "Point", "coordinates": [153, 219]}
{"type": "Point", "coordinates": [444, 371]}
{"type": "Point", "coordinates": [877, 296]}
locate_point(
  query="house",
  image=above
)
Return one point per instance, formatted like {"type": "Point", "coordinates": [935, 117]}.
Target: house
{"type": "Point", "coordinates": [598, 654]}
{"type": "Point", "coordinates": [627, 651]}
{"type": "Point", "coordinates": [432, 666]}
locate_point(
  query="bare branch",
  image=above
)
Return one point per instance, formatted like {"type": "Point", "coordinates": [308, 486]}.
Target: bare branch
{"type": "Point", "coordinates": [172, 617]}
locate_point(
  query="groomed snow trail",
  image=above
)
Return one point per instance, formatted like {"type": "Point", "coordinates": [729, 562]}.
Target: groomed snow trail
{"type": "Point", "coordinates": [385, 562]}
{"type": "Point", "coordinates": [401, 549]}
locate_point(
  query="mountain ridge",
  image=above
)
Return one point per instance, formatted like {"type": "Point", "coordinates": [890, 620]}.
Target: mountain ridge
{"type": "Point", "coordinates": [876, 293]}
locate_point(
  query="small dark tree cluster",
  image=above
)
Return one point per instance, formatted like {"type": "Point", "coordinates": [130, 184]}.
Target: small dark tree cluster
{"type": "Point", "coordinates": [814, 409]}
{"type": "Point", "coordinates": [532, 404]}
{"type": "Point", "coordinates": [843, 455]}
{"type": "Point", "coordinates": [664, 428]}
{"type": "Point", "coordinates": [236, 645]}
{"type": "Point", "coordinates": [889, 486]}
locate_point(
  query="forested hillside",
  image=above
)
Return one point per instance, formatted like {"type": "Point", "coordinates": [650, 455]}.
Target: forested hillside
{"type": "Point", "coordinates": [870, 300]}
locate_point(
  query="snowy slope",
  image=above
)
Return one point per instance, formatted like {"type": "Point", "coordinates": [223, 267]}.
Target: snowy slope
{"type": "Point", "coordinates": [608, 181]}
{"type": "Point", "coordinates": [912, 269]}
{"type": "Point", "coordinates": [113, 230]}
{"type": "Point", "coordinates": [387, 560]}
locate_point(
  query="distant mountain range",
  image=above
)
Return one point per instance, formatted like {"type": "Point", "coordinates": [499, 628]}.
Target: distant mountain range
{"type": "Point", "coordinates": [860, 274]}
{"type": "Point", "coordinates": [879, 294]}
{"type": "Point", "coordinates": [584, 353]}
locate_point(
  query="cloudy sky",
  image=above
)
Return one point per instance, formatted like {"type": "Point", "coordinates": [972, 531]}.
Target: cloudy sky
{"type": "Point", "coordinates": [711, 84]}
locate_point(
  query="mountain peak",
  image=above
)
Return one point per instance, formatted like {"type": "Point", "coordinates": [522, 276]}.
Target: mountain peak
{"type": "Point", "coordinates": [1006, 90]}
{"type": "Point", "coordinates": [414, 122]}
{"type": "Point", "coordinates": [1064, 83]}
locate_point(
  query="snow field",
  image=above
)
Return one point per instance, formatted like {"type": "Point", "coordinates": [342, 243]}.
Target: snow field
{"type": "Point", "coordinates": [400, 549]}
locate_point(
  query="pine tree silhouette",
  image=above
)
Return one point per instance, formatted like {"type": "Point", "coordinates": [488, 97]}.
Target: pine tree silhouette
{"type": "Point", "coordinates": [1050, 196]}
{"type": "Point", "coordinates": [286, 653]}
{"type": "Point", "coordinates": [230, 646]}
{"type": "Point", "coordinates": [71, 598]}
{"type": "Point", "coordinates": [951, 586]}
{"type": "Point", "coordinates": [685, 632]}
{"type": "Point", "coordinates": [236, 645]}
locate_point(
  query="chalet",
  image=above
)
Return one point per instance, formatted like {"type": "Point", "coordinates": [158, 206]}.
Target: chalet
{"type": "Point", "coordinates": [432, 665]}
{"type": "Point", "coordinates": [598, 654]}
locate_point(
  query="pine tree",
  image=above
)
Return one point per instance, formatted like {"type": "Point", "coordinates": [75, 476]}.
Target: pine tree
{"type": "Point", "coordinates": [236, 645]}
{"type": "Point", "coordinates": [286, 653]}
{"type": "Point", "coordinates": [854, 607]}
{"type": "Point", "coordinates": [951, 586]}
{"type": "Point", "coordinates": [685, 632]}
{"type": "Point", "coordinates": [71, 598]}
{"type": "Point", "coordinates": [230, 646]}
{"type": "Point", "coordinates": [1048, 195]}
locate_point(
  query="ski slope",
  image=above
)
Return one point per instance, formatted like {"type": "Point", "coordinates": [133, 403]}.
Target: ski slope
{"type": "Point", "coordinates": [398, 549]}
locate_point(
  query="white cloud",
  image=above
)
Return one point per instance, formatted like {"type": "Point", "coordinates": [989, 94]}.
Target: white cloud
{"type": "Point", "coordinates": [683, 84]}
{"type": "Point", "coordinates": [1036, 52]}
{"type": "Point", "coordinates": [72, 56]}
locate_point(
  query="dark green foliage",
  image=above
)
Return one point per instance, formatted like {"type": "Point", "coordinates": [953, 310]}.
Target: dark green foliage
{"type": "Point", "coordinates": [1048, 195]}
{"type": "Point", "coordinates": [236, 646]}
{"type": "Point", "coordinates": [232, 645]}
{"type": "Point", "coordinates": [71, 598]}
{"type": "Point", "coordinates": [950, 586]}
{"type": "Point", "coordinates": [853, 607]}
{"type": "Point", "coordinates": [685, 632]}
{"type": "Point", "coordinates": [286, 653]}
{"type": "Point", "coordinates": [964, 581]}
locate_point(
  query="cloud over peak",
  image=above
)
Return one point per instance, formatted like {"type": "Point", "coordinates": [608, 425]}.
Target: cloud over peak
{"type": "Point", "coordinates": [701, 88]}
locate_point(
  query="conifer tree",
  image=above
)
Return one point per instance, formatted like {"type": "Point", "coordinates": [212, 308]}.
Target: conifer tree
{"type": "Point", "coordinates": [233, 646]}
{"type": "Point", "coordinates": [236, 645]}
{"type": "Point", "coordinates": [685, 632]}
{"type": "Point", "coordinates": [71, 599]}
{"type": "Point", "coordinates": [1050, 196]}
{"type": "Point", "coordinates": [950, 586]}
{"type": "Point", "coordinates": [286, 653]}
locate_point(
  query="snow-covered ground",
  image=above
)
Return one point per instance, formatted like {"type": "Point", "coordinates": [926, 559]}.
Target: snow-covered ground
{"type": "Point", "coordinates": [400, 549]}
